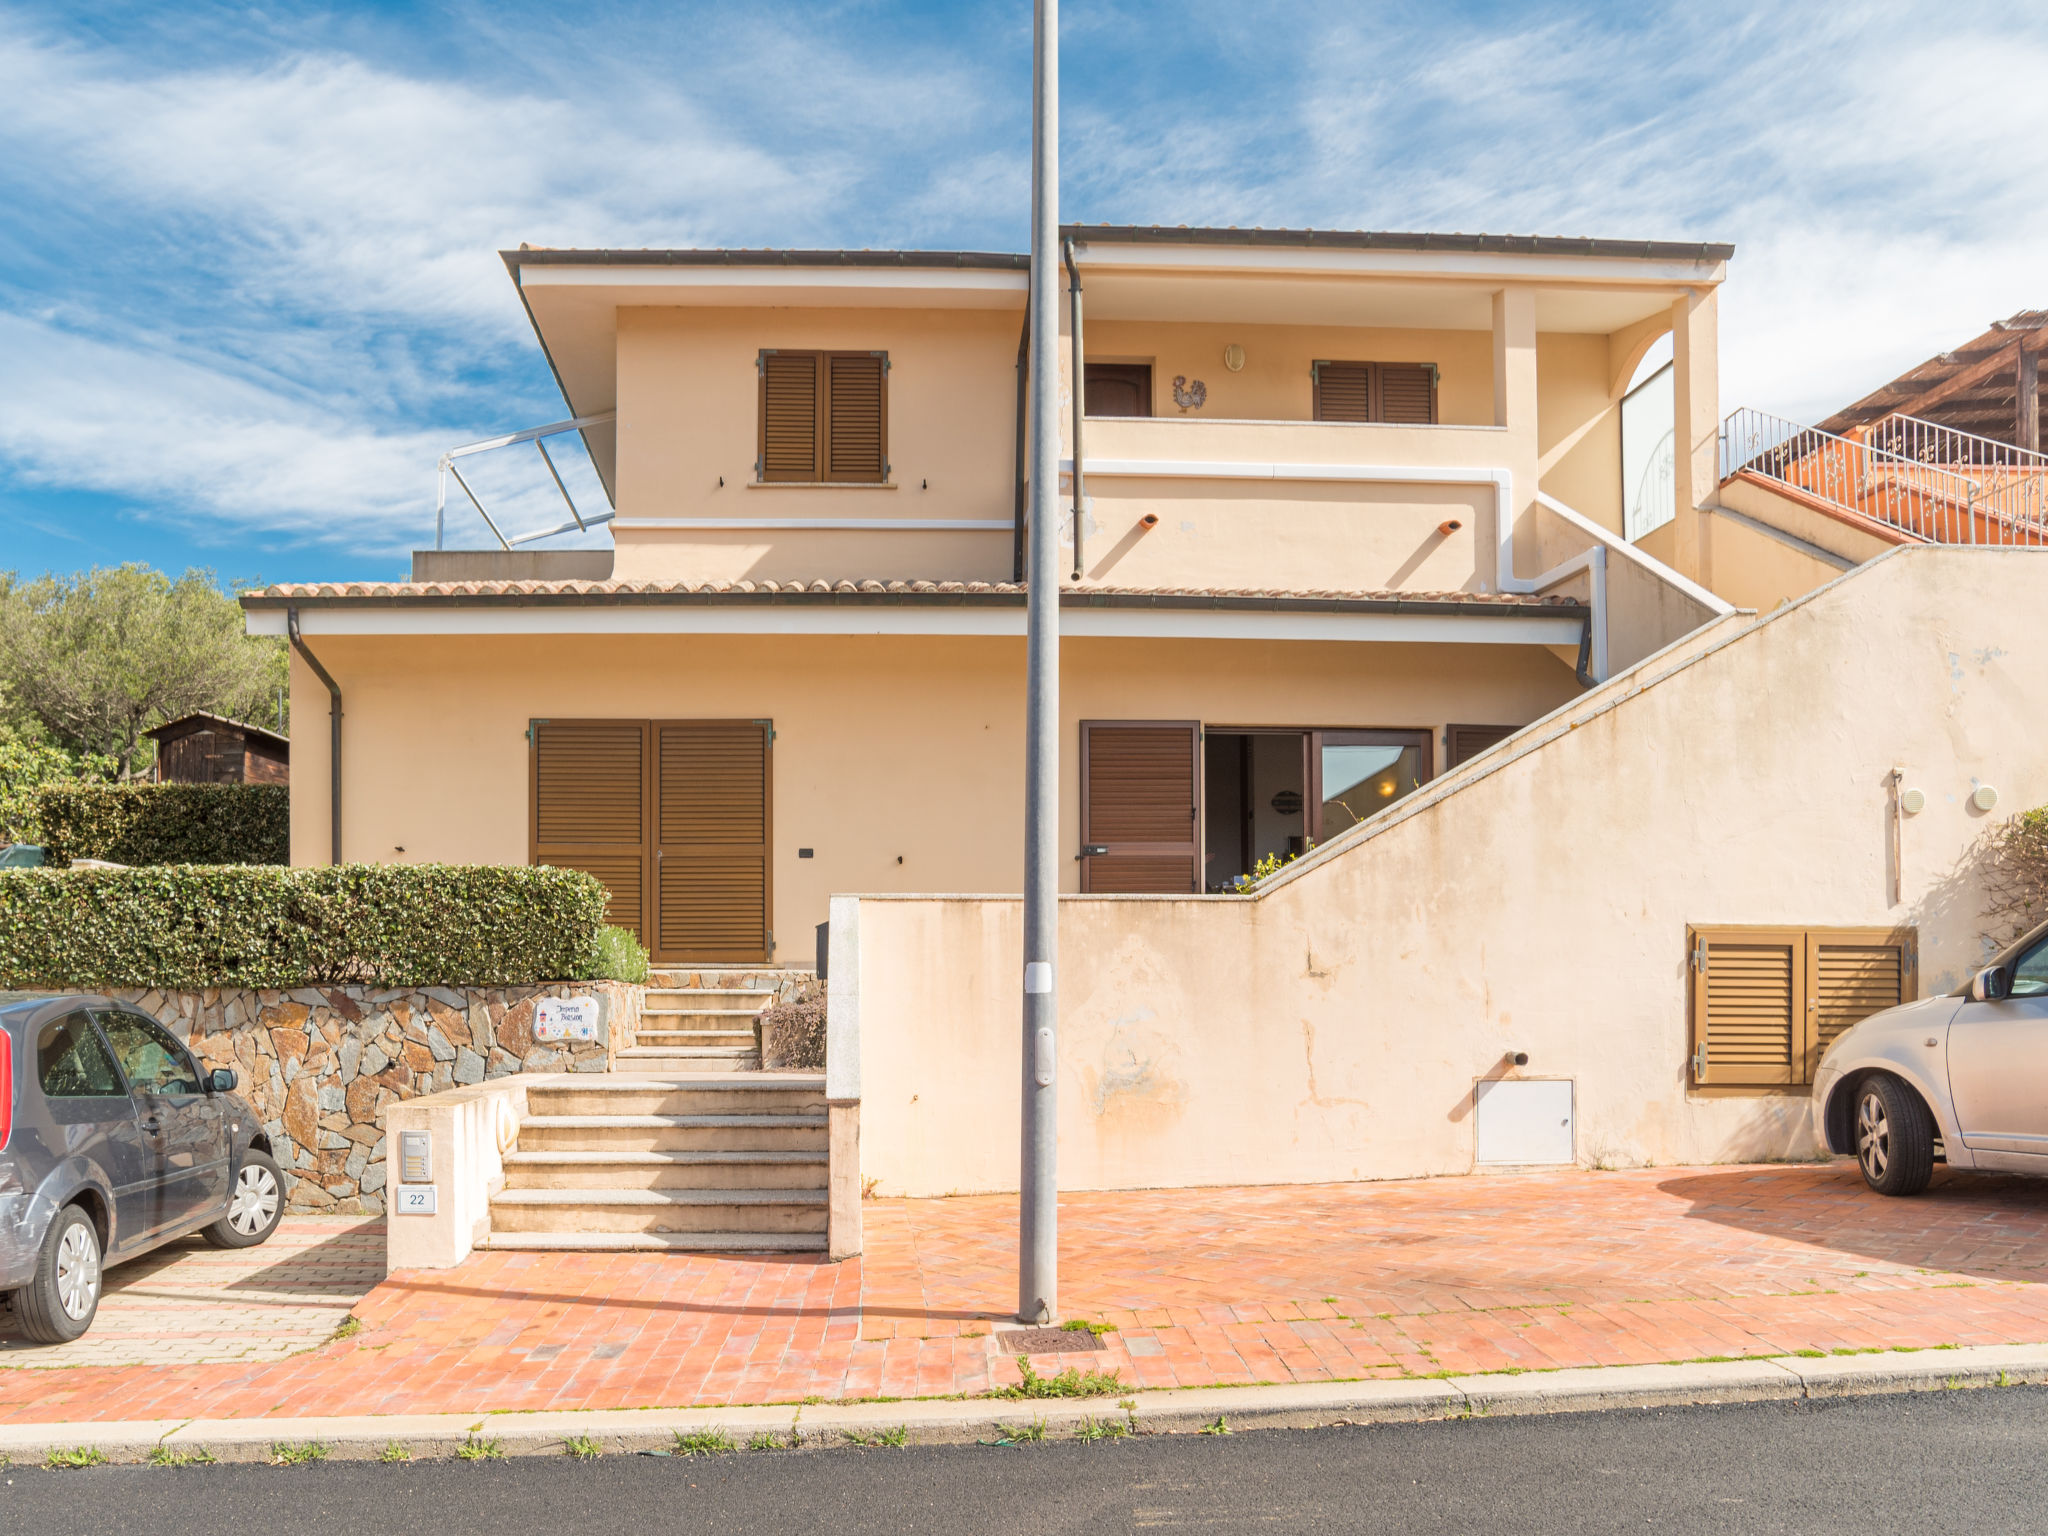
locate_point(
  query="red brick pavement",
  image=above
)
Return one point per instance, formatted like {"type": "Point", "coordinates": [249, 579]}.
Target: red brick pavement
{"type": "Point", "coordinates": [1203, 1286]}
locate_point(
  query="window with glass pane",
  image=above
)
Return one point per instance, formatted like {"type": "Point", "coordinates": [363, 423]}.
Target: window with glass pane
{"type": "Point", "coordinates": [1361, 776]}
{"type": "Point", "coordinates": [153, 1060]}
{"type": "Point", "coordinates": [2030, 975]}
{"type": "Point", "coordinates": [72, 1064]}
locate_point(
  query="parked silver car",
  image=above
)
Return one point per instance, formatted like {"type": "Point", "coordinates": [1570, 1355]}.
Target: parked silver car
{"type": "Point", "coordinates": [1968, 1071]}
{"type": "Point", "coordinates": [113, 1142]}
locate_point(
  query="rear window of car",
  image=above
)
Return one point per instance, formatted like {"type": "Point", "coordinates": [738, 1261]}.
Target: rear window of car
{"type": "Point", "coordinates": [71, 1063]}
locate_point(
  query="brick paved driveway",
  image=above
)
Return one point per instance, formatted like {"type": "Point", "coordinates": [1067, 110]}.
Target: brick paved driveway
{"type": "Point", "coordinates": [188, 1304]}
{"type": "Point", "coordinates": [1203, 1286]}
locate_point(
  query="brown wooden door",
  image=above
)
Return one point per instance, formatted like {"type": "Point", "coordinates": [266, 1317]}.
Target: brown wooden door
{"type": "Point", "coordinates": [1141, 806]}
{"type": "Point", "coordinates": [589, 792]}
{"type": "Point", "coordinates": [711, 840]}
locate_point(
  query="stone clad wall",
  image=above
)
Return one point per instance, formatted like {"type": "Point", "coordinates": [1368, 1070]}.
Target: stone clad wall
{"type": "Point", "coordinates": [319, 1064]}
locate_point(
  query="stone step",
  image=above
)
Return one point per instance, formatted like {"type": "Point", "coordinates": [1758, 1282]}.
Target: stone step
{"type": "Point", "coordinates": [742, 1038]}
{"type": "Point", "coordinates": [656, 1242]}
{"type": "Point", "coordinates": [624, 1168]}
{"type": "Point", "coordinates": [745, 978]}
{"type": "Point", "coordinates": [658, 1210]}
{"type": "Point", "coordinates": [805, 1132]}
{"type": "Point", "coordinates": [670, 1000]}
{"type": "Point", "coordinates": [689, 1092]}
{"type": "Point", "coordinates": [723, 1058]}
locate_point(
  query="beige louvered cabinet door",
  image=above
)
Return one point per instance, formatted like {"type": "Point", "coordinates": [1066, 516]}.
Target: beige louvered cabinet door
{"type": "Point", "coordinates": [856, 440]}
{"type": "Point", "coordinates": [790, 439]}
{"type": "Point", "coordinates": [1140, 806]}
{"type": "Point", "coordinates": [1749, 1006]}
{"type": "Point", "coordinates": [588, 790]}
{"type": "Point", "coordinates": [712, 840]}
{"type": "Point", "coordinates": [1853, 973]}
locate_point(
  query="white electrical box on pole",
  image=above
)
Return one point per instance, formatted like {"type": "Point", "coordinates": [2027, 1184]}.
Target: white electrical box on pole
{"type": "Point", "coordinates": [1038, 1202]}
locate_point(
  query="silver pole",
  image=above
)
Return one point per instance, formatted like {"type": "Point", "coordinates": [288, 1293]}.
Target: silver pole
{"type": "Point", "coordinates": [1038, 1204]}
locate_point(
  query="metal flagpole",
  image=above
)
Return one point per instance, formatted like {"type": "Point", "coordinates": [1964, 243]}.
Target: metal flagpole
{"type": "Point", "coordinates": [1038, 1206]}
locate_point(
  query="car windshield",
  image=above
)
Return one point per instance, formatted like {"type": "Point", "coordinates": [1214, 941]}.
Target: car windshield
{"type": "Point", "coordinates": [2030, 974]}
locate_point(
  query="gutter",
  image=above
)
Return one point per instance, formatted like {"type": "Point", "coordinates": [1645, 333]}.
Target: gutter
{"type": "Point", "coordinates": [1080, 375]}
{"type": "Point", "coordinates": [1023, 402]}
{"type": "Point", "coordinates": [334, 717]}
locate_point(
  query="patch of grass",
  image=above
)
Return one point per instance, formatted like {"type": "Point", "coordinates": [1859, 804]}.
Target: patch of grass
{"type": "Point", "coordinates": [704, 1442]}
{"type": "Point", "coordinates": [395, 1450]}
{"type": "Point", "coordinates": [1082, 1325]}
{"type": "Point", "coordinates": [164, 1456]}
{"type": "Point", "coordinates": [582, 1447]}
{"type": "Point", "coordinates": [1811, 1354]}
{"type": "Point", "coordinates": [78, 1456]}
{"type": "Point", "coordinates": [1071, 1382]}
{"type": "Point", "coordinates": [347, 1328]}
{"type": "Point", "coordinates": [1027, 1434]}
{"type": "Point", "coordinates": [896, 1438]}
{"type": "Point", "coordinates": [1101, 1429]}
{"type": "Point", "coordinates": [293, 1453]}
{"type": "Point", "coordinates": [478, 1448]}
{"type": "Point", "coordinates": [766, 1440]}
{"type": "Point", "coordinates": [1220, 1427]}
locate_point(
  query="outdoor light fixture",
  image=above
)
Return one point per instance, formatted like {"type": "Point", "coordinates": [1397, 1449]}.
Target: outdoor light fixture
{"type": "Point", "coordinates": [1233, 358]}
{"type": "Point", "coordinates": [1984, 797]}
{"type": "Point", "coordinates": [1913, 801]}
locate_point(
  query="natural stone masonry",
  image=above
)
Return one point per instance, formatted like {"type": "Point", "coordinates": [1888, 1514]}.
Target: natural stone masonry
{"type": "Point", "coordinates": [319, 1064]}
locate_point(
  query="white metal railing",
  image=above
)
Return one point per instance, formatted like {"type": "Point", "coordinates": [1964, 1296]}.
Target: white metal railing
{"type": "Point", "coordinates": [534, 435]}
{"type": "Point", "coordinates": [1949, 497]}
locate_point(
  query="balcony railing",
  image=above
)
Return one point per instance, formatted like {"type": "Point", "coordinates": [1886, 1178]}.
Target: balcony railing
{"type": "Point", "coordinates": [1933, 482]}
{"type": "Point", "coordinates": [579, 521]}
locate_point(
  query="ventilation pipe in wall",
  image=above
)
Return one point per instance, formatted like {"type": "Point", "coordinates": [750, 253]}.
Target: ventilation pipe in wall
{"type": "Point", "coordinates": [291, 624]}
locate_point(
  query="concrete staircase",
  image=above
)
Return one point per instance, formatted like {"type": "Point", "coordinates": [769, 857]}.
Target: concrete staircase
{"type": "Point", "coordinates": [685, 1146]}
{"type": "Point", "coordinates": [730, 1162]}
{"type": "Point", "coordinates": [698, 1021]}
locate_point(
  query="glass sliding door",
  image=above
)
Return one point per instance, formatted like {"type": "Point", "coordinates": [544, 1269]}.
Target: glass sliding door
{"type": "Point", "coordinates": [1360, 772]}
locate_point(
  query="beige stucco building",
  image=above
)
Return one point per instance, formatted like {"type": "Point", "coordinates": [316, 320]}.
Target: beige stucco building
{"type": "Point", "coordinates": [1352, 508]}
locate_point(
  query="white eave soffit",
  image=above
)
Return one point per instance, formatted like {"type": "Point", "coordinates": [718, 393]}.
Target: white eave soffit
{"type": "Point", "coordinates": [1467, 266]}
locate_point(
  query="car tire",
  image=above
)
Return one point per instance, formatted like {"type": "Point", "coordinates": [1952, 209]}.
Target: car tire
{"type": "Point", "coordinates": [59, 1304]}
{"type": "Point", "coordinates": [1894, 1136]}
{"type": "Point", "coordinates": [255, 1204]}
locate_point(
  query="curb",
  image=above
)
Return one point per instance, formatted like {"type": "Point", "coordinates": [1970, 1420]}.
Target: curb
{"type": "Point", "coordinates": [1169, 1411]}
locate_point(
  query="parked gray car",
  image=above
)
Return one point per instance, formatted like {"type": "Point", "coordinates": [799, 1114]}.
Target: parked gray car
{"type": "Point", "coordinates": [1968, 1071]}
{"type": "Point", "coordinates": [113, 1142]}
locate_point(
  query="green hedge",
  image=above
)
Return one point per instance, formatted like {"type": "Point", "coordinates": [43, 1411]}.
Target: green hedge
{"type": "Point", "coordinates": [166, 823]}
{"type": "Point", "coordinates": [400, 925]}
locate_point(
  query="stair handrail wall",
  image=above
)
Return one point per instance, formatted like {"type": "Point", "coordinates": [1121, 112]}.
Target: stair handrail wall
{"type": "Point", "coordinates": [1999, 502]}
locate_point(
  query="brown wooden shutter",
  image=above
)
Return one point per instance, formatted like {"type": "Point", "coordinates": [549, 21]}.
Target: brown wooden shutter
{"type": "Point", "coordinates": [712, 826]}
{"type": "Point", "coordinates": [1140, 798]}
{"type": "Point", "coordinates": [1767, 1002]}
{"type": "Point", "coordinates": [1748, 1005]}
{"type": "Point", "coordinates": [588, 793]}
{"type": "Point", "coordinates": [1407, 394]}
{"type": "Point", "coordinates": [790, 441]}
{"type": "Point", "coordinates": [1471, 740]}
{"type": "Point", "coordinates": [1343, 392]}
{"type": "Point", "coordinates": [857, 439]}
{"type": "Point", "coordinates": [1853, 974]}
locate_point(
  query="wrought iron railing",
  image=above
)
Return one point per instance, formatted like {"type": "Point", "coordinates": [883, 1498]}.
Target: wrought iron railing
{"type": "Point", "coordinates": [1962, 492]}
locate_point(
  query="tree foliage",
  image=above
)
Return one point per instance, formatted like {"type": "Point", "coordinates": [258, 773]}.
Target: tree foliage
{"type": "Point", "coordinates": [2016, 875]}
{"type": "Point", "coordinates": [28, 761]}
{"type": "Point", "coordinates": [97, 658]}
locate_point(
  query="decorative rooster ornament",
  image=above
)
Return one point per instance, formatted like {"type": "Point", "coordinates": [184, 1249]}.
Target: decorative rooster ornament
{"type": "Point", "coordinates": [1189, 397]}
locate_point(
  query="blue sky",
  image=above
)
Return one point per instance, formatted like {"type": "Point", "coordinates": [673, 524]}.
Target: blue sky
{"type": "Point", "coordinates": [248, 289]}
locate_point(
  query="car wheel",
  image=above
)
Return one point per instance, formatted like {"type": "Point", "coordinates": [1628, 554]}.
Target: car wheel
{"type": "Point", "coordinates": [1894, 1137]}
{"type": "Point", "coordinates": [61, 1301]}
{"type": "Point", "coordinates": [254, 1208]}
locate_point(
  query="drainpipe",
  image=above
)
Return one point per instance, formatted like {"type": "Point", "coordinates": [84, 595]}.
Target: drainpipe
{"type": "Point", "coordinates": [1023, 397]}
{"type": "Point", "coordinates": [291, 624]}
{"type": "Point", "coordinates": [1080, 392]}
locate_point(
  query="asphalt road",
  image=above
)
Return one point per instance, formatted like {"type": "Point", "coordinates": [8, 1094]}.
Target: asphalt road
{"type": "Point", "coordinates": [1956, 1461]}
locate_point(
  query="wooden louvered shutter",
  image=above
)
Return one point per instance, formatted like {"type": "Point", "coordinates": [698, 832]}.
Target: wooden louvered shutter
{"type": "Point", "coordinates": [712, 823]}
{"type": "Point", "coordinates": [856, 443]}
{"type": "Point", "coordinates": [1343, 392]}
{"type": "Point", "coordinates": [1140, 804]}
{"type": "Point", "coordinates": [790, 440]}
{"type": "Point", "coordinates": [588, 791]}
{"type": "Point", "coordinates": [1748, 1005]}
{"type": "Point", "coordinates": [1851, 974]}
{"type": "Point", "coordinates": [1466, 741]}
{"type": "Point", "coordinates": [1407, 394]}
